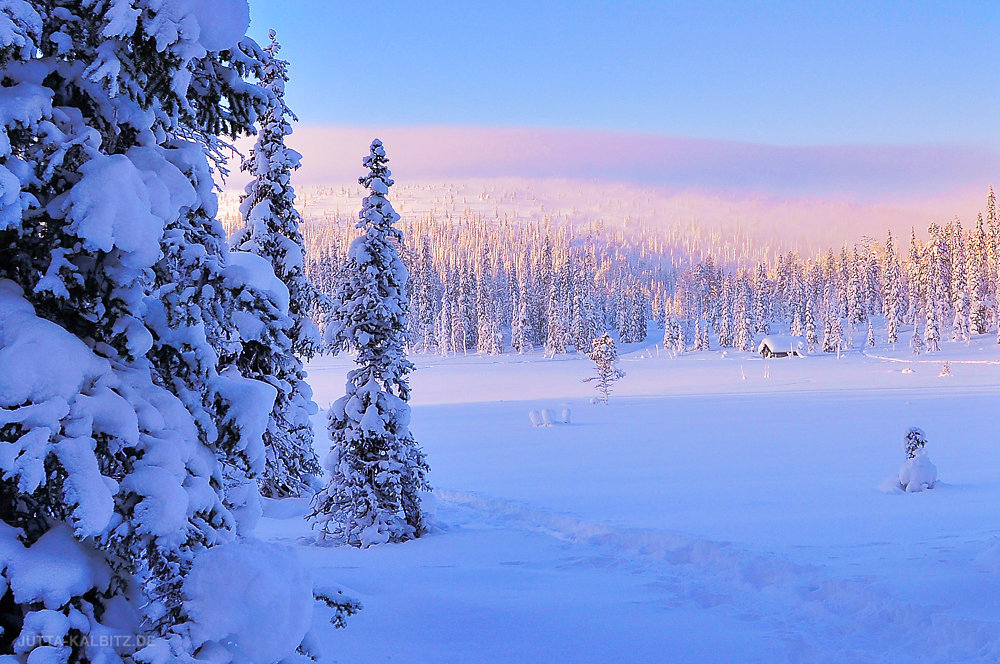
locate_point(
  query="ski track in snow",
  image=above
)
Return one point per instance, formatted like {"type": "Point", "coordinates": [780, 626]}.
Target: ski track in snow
{"type": "Point", "coordinates": [818, 618]}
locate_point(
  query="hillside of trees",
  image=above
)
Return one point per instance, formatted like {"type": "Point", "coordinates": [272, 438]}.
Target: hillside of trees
{"type": "Point", "coordinates": [485, 284]}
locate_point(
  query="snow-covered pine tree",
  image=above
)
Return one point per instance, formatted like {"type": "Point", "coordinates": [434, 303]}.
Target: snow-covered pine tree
{"type": "Point", "coordinates": [810, 324]}
{"type": "Point", "coordinates": [638, 316]}
{"type": "Point", "coordinates": [960, 329]}
{"type": "Point", "coordinates": [797, 306]}
{"type": "Point", "coordinates": [916, 344]}
{"type": "Point", "coordinates": [604, 355]}
{"type": "Point", "coordinates": [892, 302]}
{"type": "Point", "coordinates": [914, 278]}
{"type": "Point", "coordinates": [659, 310]}
{"type": "Point", "coordinates": [271, 231]}
{"type": "Point", "coordinates": [743, 315]}
{"type": "Point", "coordinates": [993, 256]}
{"type": "Point", "coordinates": [762, 301]}
{"type": "Point", "coordinates": [833, 331]}
{"type": "Point", "coordinates": [520, 330]}
{"type": "Point", "coordinates": [939, 265]}
{"type": "Point", "coordinates": [427, 293]}
{"type": "Point", "coordinates": [466, 321]}
{"type": "Point", "coordinates": [917, 473]}
{"type": "Point", "coordinates": [670, 334]}
{"type": "Point", "coordinates": [485, 305]}
{"type": "Point", "coordinates": [129, 439]}
{"type": "Point", "coordinates": [701, 337]}
{"type": "Point", "coordinates": [376, 469]}
{"type": "Point", "coordinates": [932, 336]}
{"type": "Point", "coordinates": [978, 262]}
{"type": "Point", "coordinates": [558, 322]}
{"type": "Point", "coordinates": [871, 335]}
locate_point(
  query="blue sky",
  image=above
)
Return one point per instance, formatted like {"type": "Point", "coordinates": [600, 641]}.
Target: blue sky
{"type": "Point", "coordinates": [784, 73]}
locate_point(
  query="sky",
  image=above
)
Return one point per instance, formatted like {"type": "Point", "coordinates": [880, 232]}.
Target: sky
{"type": "Point", "coordinates": [872, 98]}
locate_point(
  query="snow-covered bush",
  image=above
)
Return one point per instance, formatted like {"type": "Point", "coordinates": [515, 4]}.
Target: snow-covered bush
{"type": "Point", "coordinates": [917, 472]}
{"type": "Point", "coordinates": [376, 469]}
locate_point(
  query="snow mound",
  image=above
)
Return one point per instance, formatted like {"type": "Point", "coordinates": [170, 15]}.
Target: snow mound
{"type": "Point", "coordinates": [247, 268]}
{"type": "Point", "coordinates": [236, 589]}
{"type": "Point", "coordinates": [221, 23]}
{"type": "Point", "coordinates": [53, 569]}
{"type": "Point", "coordinates": [915, 475]}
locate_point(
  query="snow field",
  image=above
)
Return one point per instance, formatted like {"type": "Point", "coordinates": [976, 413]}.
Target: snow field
{"type": "Point", "coordinates": [698, 517]}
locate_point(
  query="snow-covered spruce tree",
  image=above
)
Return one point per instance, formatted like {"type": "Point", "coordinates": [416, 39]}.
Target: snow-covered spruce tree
{"type": "Point", "coordinates": [916, 344]}
{"type": "Point", "coordinates": [126, 442]}
{"type": "Point", "coordinates": [976, 278]}
{"type": "Point", "coordinates": [376, 469]}
{"type": "Point", "coordinates": [961, 302]}
{"type": "Point", "coordinates": [810, 325]}
{"type": "Point", "coordinates": [521, 333]}
{"type": "Point", "coordinates": [604, 355]}
{"type": "Point", "coordinates": [932, 336]}
{"type": "Point", "coordinates": [271, 231]}
{"type": "Point", "coordinates": [893, 306]}
{"type": "Point", "coordinates": [917, 473]}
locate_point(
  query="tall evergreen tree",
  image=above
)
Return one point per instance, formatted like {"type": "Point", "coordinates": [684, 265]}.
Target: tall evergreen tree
{"type": "Point", "coordinates": [743, 315]}
{"type": "Point", "coordinates": [959, 286]}
{"type": "Point", "coordinates": [131, 436]}
{"type": "Point", "coordinates": [978, 263]}
{"type": "Point", "coordinates": [932, 336]}
{"type": "Point", "coordinates": [916, 345]}
{"type": "Point", "coordinates": [521, 334]}
{"type": "Point", "coordinates": [271, 231]}
{"type": "Point", "coordinates": [376, 469]}
{"type": "Point", "coordinates": [892, 298]}
{"type": "Point", "coordinates": [810, 325]}
{"type": "Point", "coordinates": [558, 320]}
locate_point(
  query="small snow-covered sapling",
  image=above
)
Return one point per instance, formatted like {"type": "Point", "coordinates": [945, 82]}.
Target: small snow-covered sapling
{"type": "Point", "coordinates": [917, 472]}
{"type": "Point", "coordinates": [604, 356]}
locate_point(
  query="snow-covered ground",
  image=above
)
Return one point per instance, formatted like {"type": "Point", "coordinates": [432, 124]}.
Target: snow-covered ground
{"type": "Point", "coordinates": [722, 508]}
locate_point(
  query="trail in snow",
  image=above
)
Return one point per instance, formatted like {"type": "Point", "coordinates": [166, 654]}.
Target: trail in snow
{"type": "Point", "coordinates": [816, 617]}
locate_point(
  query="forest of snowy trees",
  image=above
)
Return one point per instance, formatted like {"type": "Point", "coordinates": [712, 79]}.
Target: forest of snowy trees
{"type": "Point", "coordinates": [491, 287]}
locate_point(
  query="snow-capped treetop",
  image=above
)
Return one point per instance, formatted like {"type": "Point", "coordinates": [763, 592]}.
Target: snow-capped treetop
{"type": "Point", "coordinates": [914, 442]}
{"type": "Point", "coordinates": [221, 23]}
{"type": "Point", "coordinates": [376, 208]}
{"type": "Point", "coordinates": [268, 207]}
{"type": "Point", "coordinates": [371, 308]}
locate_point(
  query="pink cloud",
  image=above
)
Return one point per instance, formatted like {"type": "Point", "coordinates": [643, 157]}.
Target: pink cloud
{"type": "Point", "coordinates": [863, 187]}
{"type": "Point", "coordinates": [868, 172]}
